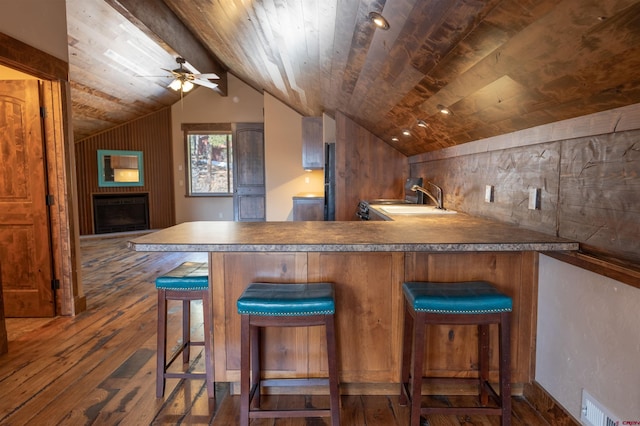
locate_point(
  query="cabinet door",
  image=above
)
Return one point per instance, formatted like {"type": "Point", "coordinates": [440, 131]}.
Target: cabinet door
{"type": "Point", "coordinates": [312, 154]}
{"type": "Point", "coordinates": [248, 172]}
{"type": "Point", "coordinates": [308, 208]}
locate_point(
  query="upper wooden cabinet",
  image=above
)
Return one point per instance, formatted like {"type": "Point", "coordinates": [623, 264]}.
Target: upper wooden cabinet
{"type": "Point", "coordinates": [312, 152]}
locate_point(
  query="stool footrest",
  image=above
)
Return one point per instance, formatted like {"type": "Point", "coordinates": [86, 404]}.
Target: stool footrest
{"type": "Point", "coordinates": [269, 414]}
{"type": "Point", "coordinates": [295, 382]}
{"type": "Point", "coordinates": [453, 380]}
{"type": "Point", "coordinates": [184, 375]}
{"type": "Point", "coordinates": [183, 347]}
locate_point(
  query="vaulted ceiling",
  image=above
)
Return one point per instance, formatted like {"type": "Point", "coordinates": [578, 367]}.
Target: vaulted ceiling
{"type": "Point", "coordinates": [498, 65]}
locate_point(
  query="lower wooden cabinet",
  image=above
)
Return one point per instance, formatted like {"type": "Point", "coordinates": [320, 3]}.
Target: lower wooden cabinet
{"type": "Point", "coordinates": [308, 207]}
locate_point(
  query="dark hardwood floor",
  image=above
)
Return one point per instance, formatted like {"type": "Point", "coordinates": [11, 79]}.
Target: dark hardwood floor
{"type": "Point", "coordinates": [99, 367]}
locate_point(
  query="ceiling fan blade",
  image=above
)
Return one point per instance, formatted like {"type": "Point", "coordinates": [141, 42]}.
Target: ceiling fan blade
{"type": "Point", "coordinates": [204, 83]}
{"type": "Point", "coordinates": [172, 73]}
{"type": "Point", "coordinates": [210, 76]}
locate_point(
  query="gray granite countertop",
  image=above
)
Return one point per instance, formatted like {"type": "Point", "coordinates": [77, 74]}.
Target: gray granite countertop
{"type": "Point", "coordinates": [445, 233]}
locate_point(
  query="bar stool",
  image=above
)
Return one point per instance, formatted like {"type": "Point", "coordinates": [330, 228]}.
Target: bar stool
{"type": "Point", "coordinates": [467, 303]}
{"type": "Point", "coordinates": [187, 282]}
{"type": "Point", "coordinates": [284, 305]}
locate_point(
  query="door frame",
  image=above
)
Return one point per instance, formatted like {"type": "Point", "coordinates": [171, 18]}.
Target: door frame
{"type": "Point", "coordinates": [60, 167]}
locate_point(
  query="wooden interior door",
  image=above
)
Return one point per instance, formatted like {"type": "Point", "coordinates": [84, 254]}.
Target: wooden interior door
{"type": "Point", "coordinates": [25, 251]}
{"type": "Point", "coordinates": [249, 198]}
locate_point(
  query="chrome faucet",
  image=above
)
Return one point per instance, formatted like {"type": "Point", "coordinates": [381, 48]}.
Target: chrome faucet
{"type": "Point", "coordinates": [437, 199]}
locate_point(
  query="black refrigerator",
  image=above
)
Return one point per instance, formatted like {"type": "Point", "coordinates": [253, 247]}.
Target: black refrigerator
{"type": "Point", "coordinates": [329, 181]}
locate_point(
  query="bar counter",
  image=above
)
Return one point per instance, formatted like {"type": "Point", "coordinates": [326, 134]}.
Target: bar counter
{"type": "Point", "coordinates": [434, 233]}
{"type": "Point", "coordinates": [368, 262]}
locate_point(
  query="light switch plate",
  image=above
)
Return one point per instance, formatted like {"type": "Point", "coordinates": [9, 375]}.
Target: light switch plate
{"type": "Point", "coordinates": [534, 198]}
{"type": "Point", "coordinates": [488, 194]}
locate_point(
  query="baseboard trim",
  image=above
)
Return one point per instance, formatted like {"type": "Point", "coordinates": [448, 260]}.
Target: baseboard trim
{"type": "Point", "coordinates": [379, 389]}
{"type": "Point", "coordinates": [547, 406]}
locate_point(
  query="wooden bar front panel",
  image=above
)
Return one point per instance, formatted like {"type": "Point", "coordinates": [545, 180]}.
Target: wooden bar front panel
{"type": "Point", "coordinates": [286, 348]}
{"type": "Point", "coordinates": [369, 311]}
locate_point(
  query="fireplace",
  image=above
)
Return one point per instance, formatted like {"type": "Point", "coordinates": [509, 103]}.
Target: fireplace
{"type": "Point", "coordinates": [120, 212]}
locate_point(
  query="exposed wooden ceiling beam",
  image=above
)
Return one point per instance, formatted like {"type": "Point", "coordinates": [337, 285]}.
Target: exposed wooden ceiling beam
{"type": "Point", "coordinates": [155, 19]}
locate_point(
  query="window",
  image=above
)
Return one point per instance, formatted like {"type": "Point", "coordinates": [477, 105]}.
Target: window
{"type": "Point", "coordinates": [209, 154]}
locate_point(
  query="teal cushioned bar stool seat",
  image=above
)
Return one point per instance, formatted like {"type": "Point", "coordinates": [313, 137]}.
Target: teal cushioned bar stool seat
{"type": "Point", "coordinates": [187, 282]}
{"type": "Point", "coordinates": [463, 303]}
{"type": "Point", "coordinates": [285, 305]}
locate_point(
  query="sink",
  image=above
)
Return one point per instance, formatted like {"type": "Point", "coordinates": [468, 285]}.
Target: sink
{"type": "Point", "coordinates": [414, 209]}
{"type": "Point", "coordinates": [388, 201]}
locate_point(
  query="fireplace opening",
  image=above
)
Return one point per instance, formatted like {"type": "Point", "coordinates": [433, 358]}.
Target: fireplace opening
{"type": "Point", "coordinates": [120, 212]}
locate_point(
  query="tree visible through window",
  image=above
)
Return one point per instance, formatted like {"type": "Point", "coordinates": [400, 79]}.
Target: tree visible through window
{"type": "Point", "coordinates": [210, 169]}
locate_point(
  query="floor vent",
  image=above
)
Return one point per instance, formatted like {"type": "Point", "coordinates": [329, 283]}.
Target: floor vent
{"type": "Point", "coordinates": [594, 414]}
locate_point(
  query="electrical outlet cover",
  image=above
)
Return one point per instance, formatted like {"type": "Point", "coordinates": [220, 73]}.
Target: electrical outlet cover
{"type": "Point", "coordinates": [488, 194]}
{"type": "Point", "coordinates": [534, 198]}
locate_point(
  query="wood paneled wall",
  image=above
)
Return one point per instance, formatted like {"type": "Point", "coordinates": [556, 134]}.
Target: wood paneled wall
{"type": "Point", "coordinates": [366, 168]}
{"type": "Point", "coordinates": [590, 189]}
{"type": "Point", "coordinates": [151, 135]}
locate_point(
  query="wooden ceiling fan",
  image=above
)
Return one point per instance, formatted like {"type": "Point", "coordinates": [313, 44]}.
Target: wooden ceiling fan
{"type": "Point", "coordinates": [184, 80]}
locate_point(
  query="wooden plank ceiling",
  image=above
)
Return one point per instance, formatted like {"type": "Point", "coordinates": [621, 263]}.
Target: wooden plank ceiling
{"type": "Point", "coordinates": [498, 65]}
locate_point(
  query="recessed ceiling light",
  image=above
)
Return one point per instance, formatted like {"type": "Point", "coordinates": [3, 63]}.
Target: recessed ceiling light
{"type": "Point", "coordinates": [406, 132]}
{"type": "Point", "coordinates": [443, 109]}
{"type": "Point", "coordinates": [395, 139]}
{"type": "Point", "coordinates": [422, 123]}
{"type": "Point", "coordinates": [379, 20]}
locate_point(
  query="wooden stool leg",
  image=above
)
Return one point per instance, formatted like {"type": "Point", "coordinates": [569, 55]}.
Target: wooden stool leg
{"type": "Point", "coordinates": [186, 330]}
{"type": "Point", "coordinates": [244, 369]}
{"type": "Point", "coordinates": [505, 367]}
{"type": "Point", "coordinates": [334, 390]}
{"type": "Point", "coordinates": [483, 362]}
{"type": "Point", "coordinates": [407, 344]}
{"type": "Point", "coordinates": [416, 367]}
{"type": "Point", "coordinates": [208, 343]}
{"type": "Point", "coordinates": [161, 346]}
{"type": "Point", "coordinates": [254, 384]}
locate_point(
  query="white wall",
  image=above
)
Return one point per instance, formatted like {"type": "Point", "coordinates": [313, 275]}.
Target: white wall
{"type": "Point", "coordinates": [242, 104]}
{"type": "Point", "coordinates": [283, 160]}
{"type": "Point", "coordinates": [39, 23]}
{"type": "Point", "coordinates": [588, 337]}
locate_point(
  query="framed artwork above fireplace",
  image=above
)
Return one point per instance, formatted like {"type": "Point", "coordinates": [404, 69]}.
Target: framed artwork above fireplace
{"type": "Point", "coordinates": [120, 168]}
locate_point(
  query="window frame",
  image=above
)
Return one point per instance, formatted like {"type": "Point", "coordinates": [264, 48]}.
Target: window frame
{"type": "Point", "coordinates": [204, 128]}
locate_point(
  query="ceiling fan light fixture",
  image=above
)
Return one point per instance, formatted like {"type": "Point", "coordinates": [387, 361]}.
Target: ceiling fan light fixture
{"type": "Point", "coordinates": [379, 20]}
{"type": "Point", "coordinates": [181, 85]}
{"type": "Point", "coordinates": [175, 85]}
{"type": "Point", "coordinates": [186, 86]}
